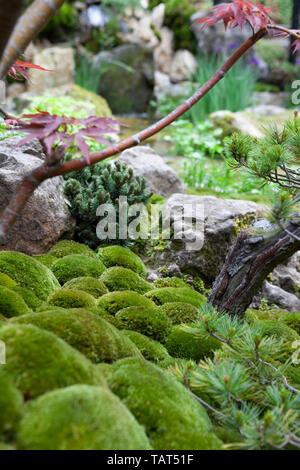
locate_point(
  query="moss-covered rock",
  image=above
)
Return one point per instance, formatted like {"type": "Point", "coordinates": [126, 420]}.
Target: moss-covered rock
{"type": "Point", "coordinates": [71, 298]}
{"type": "Point", "coordinates": [6, 281]}
{"type": "Point", "coordinates": [179, 312]}
{"type": "Point", "coordinates": [169, 282]}
{"type": "Point", "coordinates": [11, 406]}
{"type": "Point", "coordinates": [118, 278]}
{"type": "Point", "coordinates": [277, 329]}
{"type": "Point", "coordinates": [88, 333]}
{"type": "Point", "coordinates": [292, 320]}
{"type": "Point", "coordinates": [184, 345]}
{"type": "Point", "coordinates": [120, 256]}
{"type": "Point", "coordinates": [11, 303]}
{"type": "Point", "coordinates": [171, 417]}
{"type": "Point", "coordinates": [173, 294]}
{"type": "Point", "coordinates": [91, 285]}
{"type": "Point", "coordinates": [73, 266]}
{"type": "Point", "coordinates": [31, 300]}
{"type": "Point", "coordinates": [151, 350]}
{"type": "Point", "coordinates": [80, 417]}
{"type": "Point", "coordinates": [252, 315]}
{"type": "Point", "coordinates": [69, 247]}
{"type": "Point", "coordinates": [116, 301]}
{"type": "Point", "coordinates": [45, 259]}
{"type": "Point", "coordinates": [28, 273]}
{"type": "Point", "coordinates": [149, 322]}
{"type": "Point", "coordinates": [38, 361]}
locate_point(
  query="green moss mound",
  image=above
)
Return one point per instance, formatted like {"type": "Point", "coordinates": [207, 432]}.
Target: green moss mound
{"type": "Point", "coordinates": [11, 407]}
{"type": "Point", "coordinates": [185, 345]}
{"type": "Point", "coordinates": [150, 349]}
{"type": "Point", "coordinates": [80, 417]}
{"type": "Point", "coordinates": [6, 281]}
{"type": "Point", "coordinates": [71, 298]}
{"type": "Point", "coordinates": [253, 315]}
{"type": "Point", "coordinates": [38, 361]}
{"type": "Point", "coordinates": [69, 247]}
{"type": "Point", "coordinates": [151, 323]}
{"type": "Point", "coordinates": [179, 312]}
{"type": "Point", "coordinates": [173, 294]}
{"type": "Point", "coordinates": [292, 320]}
{"type": "Point", "coordinates": [277, 329]}
{"type": "Point", "coordinates": [91, 285]}
{"type": "Point", "coordinates": [28, 273]}
{"type": "Point", "coordinates": [31, 300]}
{"type": "Point", "coordinates": [45, 259]}
{"type": "Point", "coordinates": [118, 278]}
{"type": "Point", "coordinates": [116, 301]}
{"type": "Point", "coordinates": [11, 303]}
{"type": "Point", "coordinates": [88, 333]}
{"type": "Point", "coordinates": [73, 266]}
{"type": "Point", "coordinates": [121, 256]}
{"type": "Point", "coordinates": [169, 282]}
{"type": "Point", "coordinates": [172, 418]}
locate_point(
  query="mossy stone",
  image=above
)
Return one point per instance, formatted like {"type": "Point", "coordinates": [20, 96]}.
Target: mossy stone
{"type": "Point", "coordinates": [179, 312]}
{"type": "Point", "coordinates": [116, 301]}
{"type": "Point", "coordinates": [187, 346]}
{"type": "Point", "coordinates": [149, 322]}
{"type": "Point", "coordinates": [71, 298]}
{"type": "Point", "coordinates": [91, 285]}
{"type": "Point", "coordinates": [278, 329]}
{"type": "Point", "coordinates": [150, 349]}
{"type": "Point", "coordinates": [6, 281]}
{"type": "Point", "coordinates": [69, 247]}
{"type": "Point", "coordinates": [38, 361]}
{"type": "Point", "coordinates": [73, 266]}
{"type": "Point", "coordinates": [292, 320]}
{"type": "Point", "coordinates": [11, 406]}
{"type": "Point", "coordinates": [11, 303]}
{"type": "Point", "coordinates": [118, 278]}
{"type": "Point", "coordinates": [28, 273]}
{"type": "Point", "coordinates": [31, 300]}
{"type": "Point", "coordinates": [169, 282]}
{"type": "Point", "coordinates": [174, 294]}
{"type": "Point", "coordinates": [120, 256]}
{"type": "Point", "coordinates": [90, 334]}
{"type": "Point", "coordinates": [80, 417]}
{"type": "Point", "coordinates": [172, 418]}
{"type": "Point", "coordinates": [45, 259]}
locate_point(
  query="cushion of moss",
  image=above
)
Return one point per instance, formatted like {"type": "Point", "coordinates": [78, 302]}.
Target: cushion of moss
{"type": "Point", "coordinates": [147, 321]}
{"type": "Point", "coordinates": [186, 346]}
{"type": "Point", "coordinates": [292, 320]}
{"type": "Point", "coordinates": [73, 266]}
{"type": "Point", "coordinates": [11, 303]}
{"type": "Point", "coordinates": [45, 259]}
{"type": "Point", "coordinates": [253, 315]}
{"type": "Point", "coordinates": [91, 285]}
{"type": "Point", "coordinates": [115, 301]}
{"type": "Point", "coordinates": [11, 406]}
{"type": "Point", "coordinates": [179, 312]}
{"type": "Point", "coordinates": [151, 350]}
{"type": "Point", "coordinates": [176, 294]}
{"type": "Point", "coordinates": [80, 417]}
{"type": "Point", "coordinates": [29, 297]}
{"type": "Point", "coordinates": [71, 298]}
{"type": "Point", "coordinates": [105, 369]}
{"type": "Point", "coordinates": [4, 446]}
{"type": "Point", "coordinates": [98, 340]}
{"type": "Point", "coordinates": [169, 282]}
{"type": "Point", "coordinates": [6, 281]}
{"type": "Point", "coordinates": [118, 278]}
{"type": "Point", "coordinates": [69, 247]}
{"type": "Point", "coordinates": [28, 273]}
{"type": "Point", "coordinates": [172, 418]}
{"type": "Point", "coordinates": [39, 361]}
{"type": "Point", "coordinates": [277, 329]}
{"type": "Point", "coordinates": [121, 256]}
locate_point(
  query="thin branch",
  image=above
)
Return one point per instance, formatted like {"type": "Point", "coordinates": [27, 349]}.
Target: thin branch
{"type": "Point", "coordinates": [204, 403]}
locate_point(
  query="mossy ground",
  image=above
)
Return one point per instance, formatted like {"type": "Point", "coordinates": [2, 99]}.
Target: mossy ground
{"type": "Point", "coordinates": [118, 278]}
{"type": "Point", "coordinates": [120, 256]}
{"type": "Point", "coordinates": [173, 294]}
{"type": "Point", "coordinates": [116, 301]}
{"type": "Point", "coordinates": [179, 312]}
{"type": "Point", "coordinates": [11, 303]}
{"type": "Point", "coordinates": [91, 285]}
{"type": "Point", "coordinates": [11, 406]}
{"type": "Point", "coordinates": [71, 298]}
{"type": "Point", "coordinates": [73, 266]}
{"type": "Point", "coordinates": [150, 349]}
{"type": "Point", "coordinates": [69, 247]}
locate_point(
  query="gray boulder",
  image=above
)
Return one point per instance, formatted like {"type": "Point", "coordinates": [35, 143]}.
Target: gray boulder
{"type": "Point", "coordinates": [280, 298]}
{"type": "Point", "coordinates": [287, 276]}
{"type": "Point", "coordinates": [46, 217]}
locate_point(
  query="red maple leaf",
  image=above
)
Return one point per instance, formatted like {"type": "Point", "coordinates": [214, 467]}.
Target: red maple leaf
{"type": "Point", "coordinates": [18, 70]}
{"type": "Point", "coordinates": [238, 13]}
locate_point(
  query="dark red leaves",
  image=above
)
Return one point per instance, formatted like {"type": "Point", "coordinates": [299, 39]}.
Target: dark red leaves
{"type": "Point", "coordinates": [238, 13]}
{"type": "Point", "coordinates": [18, 70]}
{"type": "Point", "coordinates": [296, 44]}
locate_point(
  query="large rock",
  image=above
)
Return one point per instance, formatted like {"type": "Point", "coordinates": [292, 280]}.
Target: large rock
{"type": "Point", "coordinates": [164, 51]}
{"type": "Point", "coordinates": [127, 81]}
{"type": "Point", "coordinates": [183, 67]}
{"type": "Point", "coordinates": [280, 298]}
{"type": "Point", "coordinates": [161, 179]}
{"type": "Point", "coordinates": [236, 122]}
{"type": "Point", "coordinates": [287, 276]}
{"type": "Point", "coordinates": [46, 217]}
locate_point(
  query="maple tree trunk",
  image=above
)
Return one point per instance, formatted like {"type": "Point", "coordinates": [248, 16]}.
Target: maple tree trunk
{"type": "Point", "coordinates": [248, 263]}
{"type": "Point", "coordinates": [8, 18]}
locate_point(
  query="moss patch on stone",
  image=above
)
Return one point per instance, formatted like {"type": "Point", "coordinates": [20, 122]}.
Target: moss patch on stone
{"type": "Point", "coordinates": [179, 312]}
{"type": "Point", "coordinates": [173, 294]}
{"type": "Point", "coordinates": [277, 329]}
{"type": "Point", "coordinates": [31, 300]}
{"type": "Point", "coordinates": [71, 298]}
{"type": "Point", "coordinates": [73, 266]}
{"type": "Point", "coordinates": [91, 285]}
{"type": "Point", "coordinates": [169, 282]}
{"type": "Point", "coordinates": [118, 278]}
{"type": "Point", "coordinates": [11, 303]}
{"type": "Point", "coordinates": [292, 320]}
{"type": "Point", "coordinates": [69, 247]}
{"type": "Point", "coordinates": [120, 256]}
{"type": "Point", "coordinates": [11, 406]}
{"type": "Point", "coordinates": [45, 259]}
{"type": "Point", "coordinates": [150, 349]}
{"type": "Point", "coordinates": [6, 281]}
{"type": "Point", "coordinates": [116, 301]}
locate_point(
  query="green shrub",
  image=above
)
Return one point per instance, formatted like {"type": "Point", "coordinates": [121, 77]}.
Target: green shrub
{"type": "Point", "coordinates": [115, 301]}
{"type": "Point", "coordinates": [121, 256]}
{"type": "Point", "coordinates": [292, 320]}
{"type": "Point", "coordinates": [45, 259]}
{"type": "Point", "coordinates": [173, 294]}
{"type": "Point", "coordinates": [151, 350]}
{"type": "Point", "coordinates": [11, 406]}
{"type": "Point", "coordinates": [91, 285]}
{"type": "Point", "coordinates": [80, 417]}
{"type": "Point", "coordinates": [88, 333]}
{"type": "Point", "coordinates": [28, 273]}
{"type": "Point", "coordinates": [72, 266]}
{"type": "Point", "coordinates": [179, 312]}
{"type": "Point", "coordinates": [71, 298]}
{"type": "Point", "coordinates": [6, 281]}
{"type": "Point", "coordinates": [186, 346]}
{"type": "Point", "coordinates": [146, 321]}
{"type": "Point", "coordinates": [169, 282]}
{"type": "Point", "coordinates": [28, 296]}
{"type": "Point", "coordinates": [11, 303]}
{"type": "Point", "coordinates": [172, 418]}
{"type": "Point", "coordinates": [39, 361]}
{"type": "Point", "coordinates": [118, 278]}
{"type": "Point", "coordinates": [69, 247]}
